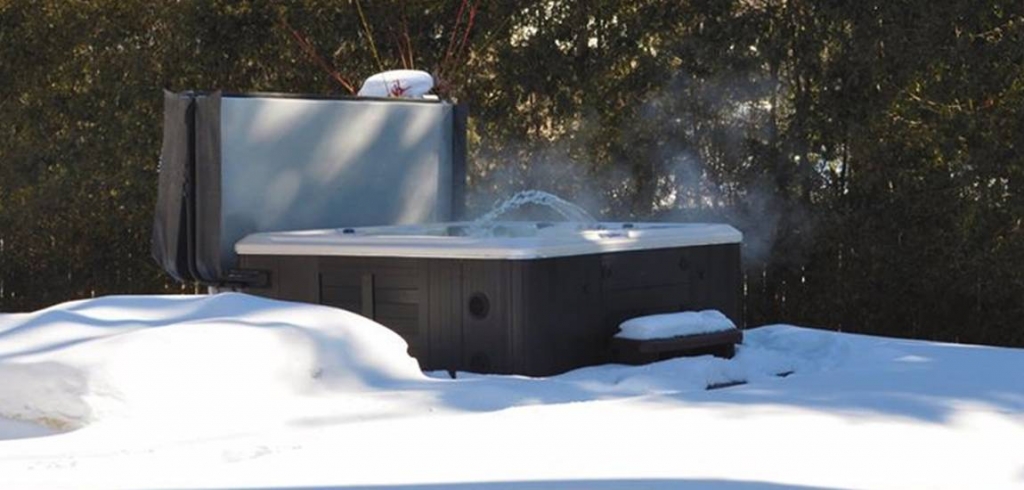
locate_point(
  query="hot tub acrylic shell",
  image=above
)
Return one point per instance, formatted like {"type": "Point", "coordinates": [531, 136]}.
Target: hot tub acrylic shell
{"type": "Point", "coordinates": [537, 300]}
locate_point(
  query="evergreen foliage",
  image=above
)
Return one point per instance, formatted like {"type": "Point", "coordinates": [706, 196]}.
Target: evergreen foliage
{"type": "Point", "coordinates": [871, 151]}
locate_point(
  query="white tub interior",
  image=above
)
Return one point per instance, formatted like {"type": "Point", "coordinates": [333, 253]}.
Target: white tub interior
{"type": "Point", "coordinates": [510, 240]}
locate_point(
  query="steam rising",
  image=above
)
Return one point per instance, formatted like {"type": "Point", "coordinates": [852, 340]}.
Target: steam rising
{"type": "Point", "coordinates": [689, 157]}
{"type": "Point", "coordinates": [685, 194]}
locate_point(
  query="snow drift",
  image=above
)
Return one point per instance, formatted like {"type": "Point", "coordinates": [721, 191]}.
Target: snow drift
{"type": "Point", "coordinates": [245, 392]}
{"type": "Point", "coordinates": [230, 358]}
{"type": "Point", "coordinates": [81, 362]}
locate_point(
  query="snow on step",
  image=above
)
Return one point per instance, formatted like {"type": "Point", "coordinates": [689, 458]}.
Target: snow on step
{"type": "Point", "coordinates": [670, 325]}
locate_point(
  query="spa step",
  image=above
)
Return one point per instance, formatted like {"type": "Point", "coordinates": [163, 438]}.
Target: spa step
{"type": "Point", "coordinates": [636, 352]}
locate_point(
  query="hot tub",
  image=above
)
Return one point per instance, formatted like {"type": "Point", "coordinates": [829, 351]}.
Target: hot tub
{"type": "Point", "coordinates": [530, 298]}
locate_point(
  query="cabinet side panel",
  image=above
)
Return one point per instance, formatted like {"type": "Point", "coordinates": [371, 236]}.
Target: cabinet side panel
{"type": "Point", "coordinates": [646, 283]}
{"type": "Point", "coordinates": [519, 317]}
{"type": "Point", "coordinates": [486, 329]}
{"type": "Point", "coordinates": [444, 315]}
{"type": "Point", "coordinates": [299, 279]}
{"type": "Point", "coordinates": [726, 281]}
{"type": "Point", "coordinates": [392, 292]}
{"type": "Point", "coordinates": [717, 279]}
{"type": "Point", "coordinates": [291, 278]}
{"type": "Point", "coordinates": [561, 310]}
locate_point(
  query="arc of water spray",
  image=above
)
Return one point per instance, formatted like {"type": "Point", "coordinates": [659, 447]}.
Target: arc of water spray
{"type": "Point", "coordinates": [566, 209]}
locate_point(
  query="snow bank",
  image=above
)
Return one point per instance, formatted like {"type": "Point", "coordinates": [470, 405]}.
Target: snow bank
{"type": "Point", "coordinates": [179, 357]}
{"type": "Point", "coordinates": [16, 429]}
{"type": "Point", "coordinates": [340, 403]}
{"type": "Point", "coordinates": [674, 325]}
{"type": "Point", "coordinates": [222, 358]}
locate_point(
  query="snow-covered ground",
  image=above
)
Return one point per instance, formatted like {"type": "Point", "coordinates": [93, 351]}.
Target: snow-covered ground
{"type": "Point", "coordinates": [232, 391]}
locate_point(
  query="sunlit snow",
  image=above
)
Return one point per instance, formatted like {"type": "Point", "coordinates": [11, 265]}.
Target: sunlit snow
{"type": "Point", "coordinates": [233, 391]}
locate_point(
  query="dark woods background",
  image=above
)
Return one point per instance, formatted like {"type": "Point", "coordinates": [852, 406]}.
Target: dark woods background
{"type": "Point", "coordinates": [871, 151]}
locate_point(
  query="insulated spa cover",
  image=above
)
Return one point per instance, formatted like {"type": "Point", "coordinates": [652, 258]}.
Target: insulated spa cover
{"type": "Point", "coordinates": [232, 165]}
